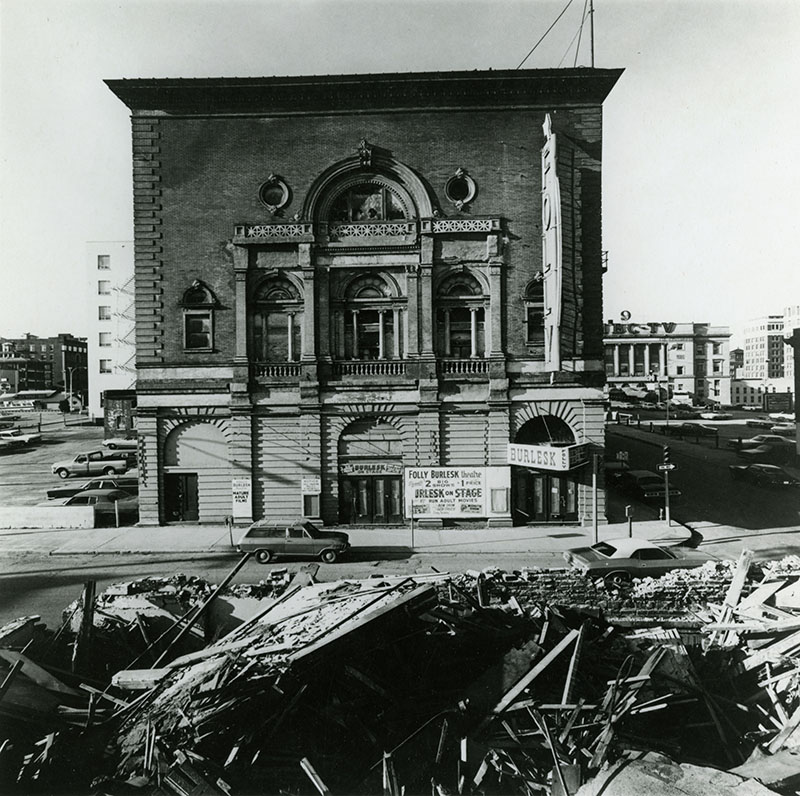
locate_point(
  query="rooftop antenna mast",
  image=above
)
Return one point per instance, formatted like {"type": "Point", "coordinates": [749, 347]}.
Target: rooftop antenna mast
{"type": "Point", "coordinates": [591, 29]}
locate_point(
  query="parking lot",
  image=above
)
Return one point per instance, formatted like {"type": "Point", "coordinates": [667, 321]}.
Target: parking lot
{"type": "Point", "coordinates": [25, 473]}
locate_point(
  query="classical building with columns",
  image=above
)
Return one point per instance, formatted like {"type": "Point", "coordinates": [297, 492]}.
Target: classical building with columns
{"type": "Point", "coordinates": [689, 360]}
{"type": "Point", "coordinates": [369, 298]}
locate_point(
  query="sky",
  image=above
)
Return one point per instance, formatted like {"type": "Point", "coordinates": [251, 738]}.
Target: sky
{"type": "Point", "coordinates": [701, 166]}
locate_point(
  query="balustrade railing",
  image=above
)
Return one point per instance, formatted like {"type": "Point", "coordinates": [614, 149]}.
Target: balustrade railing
{"type": "Point", "coordinates": [463, 367]}
{"type": "Point", "coordinates": [276, 370]}
{"type": "Point", "coordinates": [372, 368]}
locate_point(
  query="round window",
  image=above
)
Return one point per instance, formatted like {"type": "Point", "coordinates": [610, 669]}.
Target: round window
{"type": "Point", "coordinates": [274, 193]}
{"type": "Point", "coordinates": [460, 188]}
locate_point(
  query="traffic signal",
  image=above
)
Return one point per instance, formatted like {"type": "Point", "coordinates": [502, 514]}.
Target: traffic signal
{"type": "Point", "coordinates": [665, 456]}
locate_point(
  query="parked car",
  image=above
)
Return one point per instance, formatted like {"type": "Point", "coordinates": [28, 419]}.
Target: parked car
{"type": "Point", "coordinates": [684, 413]}
{"type": "Point", "coordinates": [126, 483]}
{"type": "Point", "coordinates": [785, 429]}
{"type": "Point", "coordinates": [619, 560]}
{"type": "Point", "coordinates": [644, 485]}
{"type": "Point", "coordinates": [107, 503]}
{"type": "Point", "coordinates": [120, 443]}
{"type": "Point", "coordinates": [8, 446]}
{"type": "Point", "coordinates": [769, 453]}
{"type": "Point", "coordinates": [15, 434]}
{"type": "Point", "coordinates": [759, 422]}
{"type": "Point", "coordinates": [93, 463]}
{"type": "Point", "coordinates": [782, 417]}
{"type": "Point", "coordinates": [759, 439]}
{"type": "Point", "coordinates": [716, 416]}
{"type": "Point", "coordinates": [689, 430]}
{"type": "Point", "coordinates": [268, 539]}
{"type": "Point", "coordinates": [763, 475]}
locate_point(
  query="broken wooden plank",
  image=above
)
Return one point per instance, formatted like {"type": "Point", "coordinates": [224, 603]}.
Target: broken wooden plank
{"type": "Point", "coordinates": [528, 678]}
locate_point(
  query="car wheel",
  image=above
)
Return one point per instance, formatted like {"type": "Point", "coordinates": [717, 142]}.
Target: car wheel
{"type": "Point", "coordinates": [328, 556]}
{"type": "Point", "coordinates": [264, 556]}
{"type": "Point", "coordinates": [616, 580]}
{"type": "Point", "coordinates": [62, 473]}
{"type": "Point", "coordinates": [111, 446]}
{"type": "Point", "coordinates": [109, 471]}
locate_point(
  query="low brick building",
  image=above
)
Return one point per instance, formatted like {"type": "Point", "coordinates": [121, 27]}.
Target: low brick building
{"type": "Point", "coordinates": [367, 297]}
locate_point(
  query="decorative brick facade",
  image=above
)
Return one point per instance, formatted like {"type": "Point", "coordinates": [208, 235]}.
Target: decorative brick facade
{"type": "Point", "coordinates": [381, 309]}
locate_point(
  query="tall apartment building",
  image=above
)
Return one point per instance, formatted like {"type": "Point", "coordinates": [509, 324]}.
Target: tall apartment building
{"type": "Point", "coordinates": [791, 321]}
{"type": "Point", "coordinates": [691, 358]}
{"type": "Point", "coordinates": [764, 348]}
{"type": "Point", "coordinates": [371, 299]}
{"type": "Point", "coordinates": [62, 361]}
{"type": "Point", "coordinates": [112, 347]}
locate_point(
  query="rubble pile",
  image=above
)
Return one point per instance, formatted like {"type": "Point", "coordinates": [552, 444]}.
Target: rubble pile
{"type": "Point", "coordinates": [478, 683]}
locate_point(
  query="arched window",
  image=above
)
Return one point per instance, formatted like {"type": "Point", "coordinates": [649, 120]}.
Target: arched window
{"type": "Point", "coordinates": [370, 200]}
{"type": "Point", "coordinates": [369, 320]}
{"type": "Point", "coordinates": [277, 322]}
{"type": "Point", "coordinates": [460, 317]}
{"type": "Point", "coordinates": [534, 314]}
{"type": "Point", "coordinates": [198, 304]}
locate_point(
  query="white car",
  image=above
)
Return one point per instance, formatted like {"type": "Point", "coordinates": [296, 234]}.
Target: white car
{"type": "Point", "coordinates": [120, 443]}
{"type": "Point", "coordinates": [16, 435]}
{"type": "Point", "coordinates": [784, 429]}
{"type": "Point", "coordinates": [716, 416]}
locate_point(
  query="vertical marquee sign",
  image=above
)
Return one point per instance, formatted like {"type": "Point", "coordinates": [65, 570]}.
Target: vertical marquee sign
{"type": "Point", "coordinates": [551, 249]}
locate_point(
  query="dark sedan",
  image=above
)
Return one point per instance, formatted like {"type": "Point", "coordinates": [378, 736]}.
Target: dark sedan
{"type": "Point", "coordinates": [644, 485]}
{"type": "Point", "coordinates": [769, 475]}
{"type": "Point", "coordinates": [618, 560]}
{"type": "Point", "coordinates": [689, 430]}
{"type": "Point", "coordinates": [127, 483]}
{"type": "Point", "coordinates": [109, 504]}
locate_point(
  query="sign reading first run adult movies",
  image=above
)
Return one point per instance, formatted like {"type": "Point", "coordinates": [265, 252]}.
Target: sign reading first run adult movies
{"type": "Point", "coordinates": [445, 492]}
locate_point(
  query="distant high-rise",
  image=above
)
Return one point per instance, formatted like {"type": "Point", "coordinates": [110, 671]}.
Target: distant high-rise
{"type": "Point", "coordinates": [764, 348]}
{"type": "Point", "coordinates": [112, 351]}
{"type": "Point", "coordinates": [791, 321]}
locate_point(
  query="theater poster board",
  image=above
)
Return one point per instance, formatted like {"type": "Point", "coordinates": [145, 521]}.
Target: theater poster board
{"type": "Point", "coordinates": [456, 492]}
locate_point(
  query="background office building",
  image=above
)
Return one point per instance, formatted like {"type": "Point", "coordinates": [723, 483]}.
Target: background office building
{"type": "Point", "coordinates": [690, 360]}
{"type": "Point", "coordinates": [764, 348]}
{"type": "Point", "coordinates": [369, 298]}
{"type": "Point", "coordinates": [38, 363]}
{"type": "Point", "coordinates": [112, 348]}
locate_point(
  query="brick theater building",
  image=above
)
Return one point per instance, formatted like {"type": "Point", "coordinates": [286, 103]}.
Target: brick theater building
{"type": "Point", "coordinates": [367, 298]}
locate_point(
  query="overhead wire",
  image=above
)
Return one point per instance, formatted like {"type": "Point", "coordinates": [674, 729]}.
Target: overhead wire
{"type": "Point", "coordinates": [580, 32]}
{"type": "Point", "coordinates": [569, 3]}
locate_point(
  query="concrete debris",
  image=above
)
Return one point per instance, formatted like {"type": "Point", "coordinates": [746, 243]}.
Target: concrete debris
{"type": "Point", "coordinates": [487, 682]}
{"type": "Point", "coordinates": [657, 775]}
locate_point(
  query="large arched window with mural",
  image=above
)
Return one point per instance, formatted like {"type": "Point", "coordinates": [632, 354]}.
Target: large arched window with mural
{"type": "Point", "coordinates": [541, 494]}
{"type": "Point", "coordinates": [276, 321]}
{"type": "Point", "coordinates": [368, 318]}
{"type": "Point", "coordinates": [460, 317]}
{"type": "Point", "coordinates": [370, 473]}
{"type": "Point", "coordinates": [370, 199]}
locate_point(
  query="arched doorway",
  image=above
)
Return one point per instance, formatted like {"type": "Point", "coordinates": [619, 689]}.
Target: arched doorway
{"type": "Point", "coordinates": [370, 474]}
{"type": "Point", "coordinates": [541, 495]}
{"type": "Point", "coordinates": [196, 474]}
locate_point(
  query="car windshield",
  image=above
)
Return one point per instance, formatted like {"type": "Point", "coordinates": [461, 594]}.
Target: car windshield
{"type": "Point", "coordinates": [604, 548]}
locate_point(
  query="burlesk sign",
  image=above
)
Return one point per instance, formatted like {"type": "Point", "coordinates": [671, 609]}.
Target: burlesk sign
{"type": "Point", "coordinates": [548, 457]}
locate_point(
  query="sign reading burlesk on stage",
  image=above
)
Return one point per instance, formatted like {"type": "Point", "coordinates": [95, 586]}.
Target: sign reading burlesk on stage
{"type": "Point", "coordinates": [445, 492]}
{"type": "Point", "coordinates": [559, 458]}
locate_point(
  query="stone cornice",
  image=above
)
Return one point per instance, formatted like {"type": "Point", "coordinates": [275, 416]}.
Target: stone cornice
{"type": "Point", "coordinates": [516, 88]}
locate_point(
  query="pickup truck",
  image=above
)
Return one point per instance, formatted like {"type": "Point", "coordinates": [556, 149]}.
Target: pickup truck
{"type": "Point", "coordinates": [93, 463]}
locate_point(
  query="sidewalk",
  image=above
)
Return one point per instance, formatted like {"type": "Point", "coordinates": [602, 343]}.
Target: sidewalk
{"type": "Point", "coordinates": [217, 539]}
